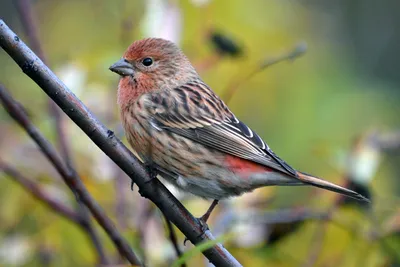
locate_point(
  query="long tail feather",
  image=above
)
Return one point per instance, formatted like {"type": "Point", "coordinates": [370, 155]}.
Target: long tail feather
{"type": "Point", "coordinates": [312, 180]}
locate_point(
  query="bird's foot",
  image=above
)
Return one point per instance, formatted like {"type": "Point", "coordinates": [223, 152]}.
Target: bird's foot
{"type": "Point", "coordinates": [203, 220]}
{"type": "Point", "coordinates": [132, 184]}
{"type": "Point", "coordinates": [203, 226]}
{"type": "Point", "coordinates": [152, 171]}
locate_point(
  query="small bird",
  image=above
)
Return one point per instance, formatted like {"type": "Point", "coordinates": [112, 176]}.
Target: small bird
{"type": "Point", "coordinates": [186, 133]}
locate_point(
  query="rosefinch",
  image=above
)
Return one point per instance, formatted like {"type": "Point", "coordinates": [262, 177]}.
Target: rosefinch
{"type": "Point", "coordinates": [179, 126]}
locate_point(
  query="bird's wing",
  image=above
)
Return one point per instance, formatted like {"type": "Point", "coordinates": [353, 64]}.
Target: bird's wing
{"type": "Point", "coordinates": [195, 112]}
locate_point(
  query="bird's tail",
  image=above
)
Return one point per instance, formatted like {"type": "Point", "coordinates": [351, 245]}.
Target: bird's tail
{"type": "Point", "coordinates": [318, 182]}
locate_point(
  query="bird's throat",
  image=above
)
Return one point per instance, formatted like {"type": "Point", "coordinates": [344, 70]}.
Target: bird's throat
{"type": "Point", "coordinates": [128, 92]}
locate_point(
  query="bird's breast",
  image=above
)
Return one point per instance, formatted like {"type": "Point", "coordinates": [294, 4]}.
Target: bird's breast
{"type": "Point", "coordinates": [136, 127]}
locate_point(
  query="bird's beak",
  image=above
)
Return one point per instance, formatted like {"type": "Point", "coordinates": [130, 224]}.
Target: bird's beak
{"type": "Point", "coordinates": [122, 67]}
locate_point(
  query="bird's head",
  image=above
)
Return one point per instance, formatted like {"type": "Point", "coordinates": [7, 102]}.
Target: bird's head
{"type": "Point", "coordinates": [153, 64]}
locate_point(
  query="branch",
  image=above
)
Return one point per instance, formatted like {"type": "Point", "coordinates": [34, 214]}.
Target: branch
{"type": "Point", "coordinates": [69, 176]}
{"type": "Point", "coordinates": [40, 194]}
{"type": "Point", "coordinates": [92, 233]}
{"type": "Point", "coordinates": [25, 10]}
{"type": "Point", "coordinates": [174, 240]}
{"type": "Point", "coordinates": [28, 20]}
{"type": "Point", "coordinates": [65, 211]}
{"type": "Point", "coordinates": [232, 88]}
{"type": "Point", "coordinates": [121, 203]}
{"type": "Point", "coordinates": [106, 141]}
{"type": "Point", "coordinates": [142, 217]}
{"type": "Point", "coordinates": [316, 245]}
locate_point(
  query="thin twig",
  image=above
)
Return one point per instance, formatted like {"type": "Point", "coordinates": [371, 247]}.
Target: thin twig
{"type": "Point", "coordinates": [121, 206]}
{"type": "Point", "coordinates": [143, 216]}
{"type": "Point", "coordinates": [320, 231]}
{"type": "Point", "coordinates": [24, 7]}
{"type": "Point", "coordinates": [112, 146]}
{"type": "Point", "coordinates": [173, 239]}
{"type": "Point", "coordinates": [28, 20]}
{"type": "Point", "coordinates": [316, 244]}
{"type": "Point", "coordinates": [36, 191]}
{"type": "Point", "coordinates": [92, 233]}
{"type": "Point", "coordinates": [235, 84]}
{"type": "Point", "coordinates": [70, 177]}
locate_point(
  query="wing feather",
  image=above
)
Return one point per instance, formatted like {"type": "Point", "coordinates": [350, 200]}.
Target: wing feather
{"type": "Point", "coordinates": [198, 114]}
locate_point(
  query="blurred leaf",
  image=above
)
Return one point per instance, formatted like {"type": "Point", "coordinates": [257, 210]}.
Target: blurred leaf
{"type": "Point", "coordinates": [198, 249]}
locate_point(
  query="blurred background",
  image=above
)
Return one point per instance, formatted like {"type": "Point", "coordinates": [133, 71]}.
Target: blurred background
{"type": "Point", "coordinates": [332, 111]}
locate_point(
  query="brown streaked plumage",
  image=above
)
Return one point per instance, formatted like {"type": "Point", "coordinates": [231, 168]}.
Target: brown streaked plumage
{"type": "Point", "coordinates": [174, 120]}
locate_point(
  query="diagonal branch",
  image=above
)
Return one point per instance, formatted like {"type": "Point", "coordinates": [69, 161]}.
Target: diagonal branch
{"type": "Point", "coordinates": [174, 240]}
{"type": "Point", "coordinates": [70, 177]}
{"type": "Point", "coordinates": [235, 84]}
{"type": "Point", "coordinates": [112, 146]}
{"type": "Point", "coordinates": [25, 10]}
{"type": "Point", "coordinates": [65, 211]}
{"type": "Point", "coordinates": [35, 190]}
{"type": "Point", "coordinates": [92, 233]}
{"type": "Point", "coordinates": [28, 20]}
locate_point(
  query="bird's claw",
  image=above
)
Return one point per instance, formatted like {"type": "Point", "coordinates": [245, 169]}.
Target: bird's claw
{"type": "Point", "coordinates": [204, 227]}
{"type": "Point", "coordinates": [151, 170]}
{"type": "Point", "coordinates": [132, 184]}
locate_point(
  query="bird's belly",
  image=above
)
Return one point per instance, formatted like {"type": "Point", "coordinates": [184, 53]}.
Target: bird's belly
{"type": "Point", "coordinates": [196, 168]}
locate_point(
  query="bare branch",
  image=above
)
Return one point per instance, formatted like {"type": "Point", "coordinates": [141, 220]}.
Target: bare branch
{"type": "Point", "coordinates": [24, 7]}
{"type": "Point", "coordinates": [70, 177]}
{"type": "Point", "coordinates": [316, 244]}
{"type": "Point", "coordinates": [173, 239]}
{"type": "Point", "coordinates": [143, 215]}
{"type": "Point", "coordinates": [121, 202]}
{"type": "Point", "coordinates": [35, 190]}
{"type": "Point", "coordinates": [92, 233]}
{"type": "Point", "coordinates": [106, 141]}
{"type": "Point", "coordinates": [232, 88]}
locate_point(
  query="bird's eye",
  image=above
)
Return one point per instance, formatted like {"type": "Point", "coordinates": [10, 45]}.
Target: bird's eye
{"type": "Point", "coordinates": [147, 61]}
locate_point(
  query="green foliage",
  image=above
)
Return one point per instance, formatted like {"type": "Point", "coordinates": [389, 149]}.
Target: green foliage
{"type": "Point", "coordinates": [197, 250]}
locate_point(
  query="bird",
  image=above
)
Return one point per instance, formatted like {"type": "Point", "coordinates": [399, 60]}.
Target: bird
{"type": "Point", "coordinates": [184, 132]}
